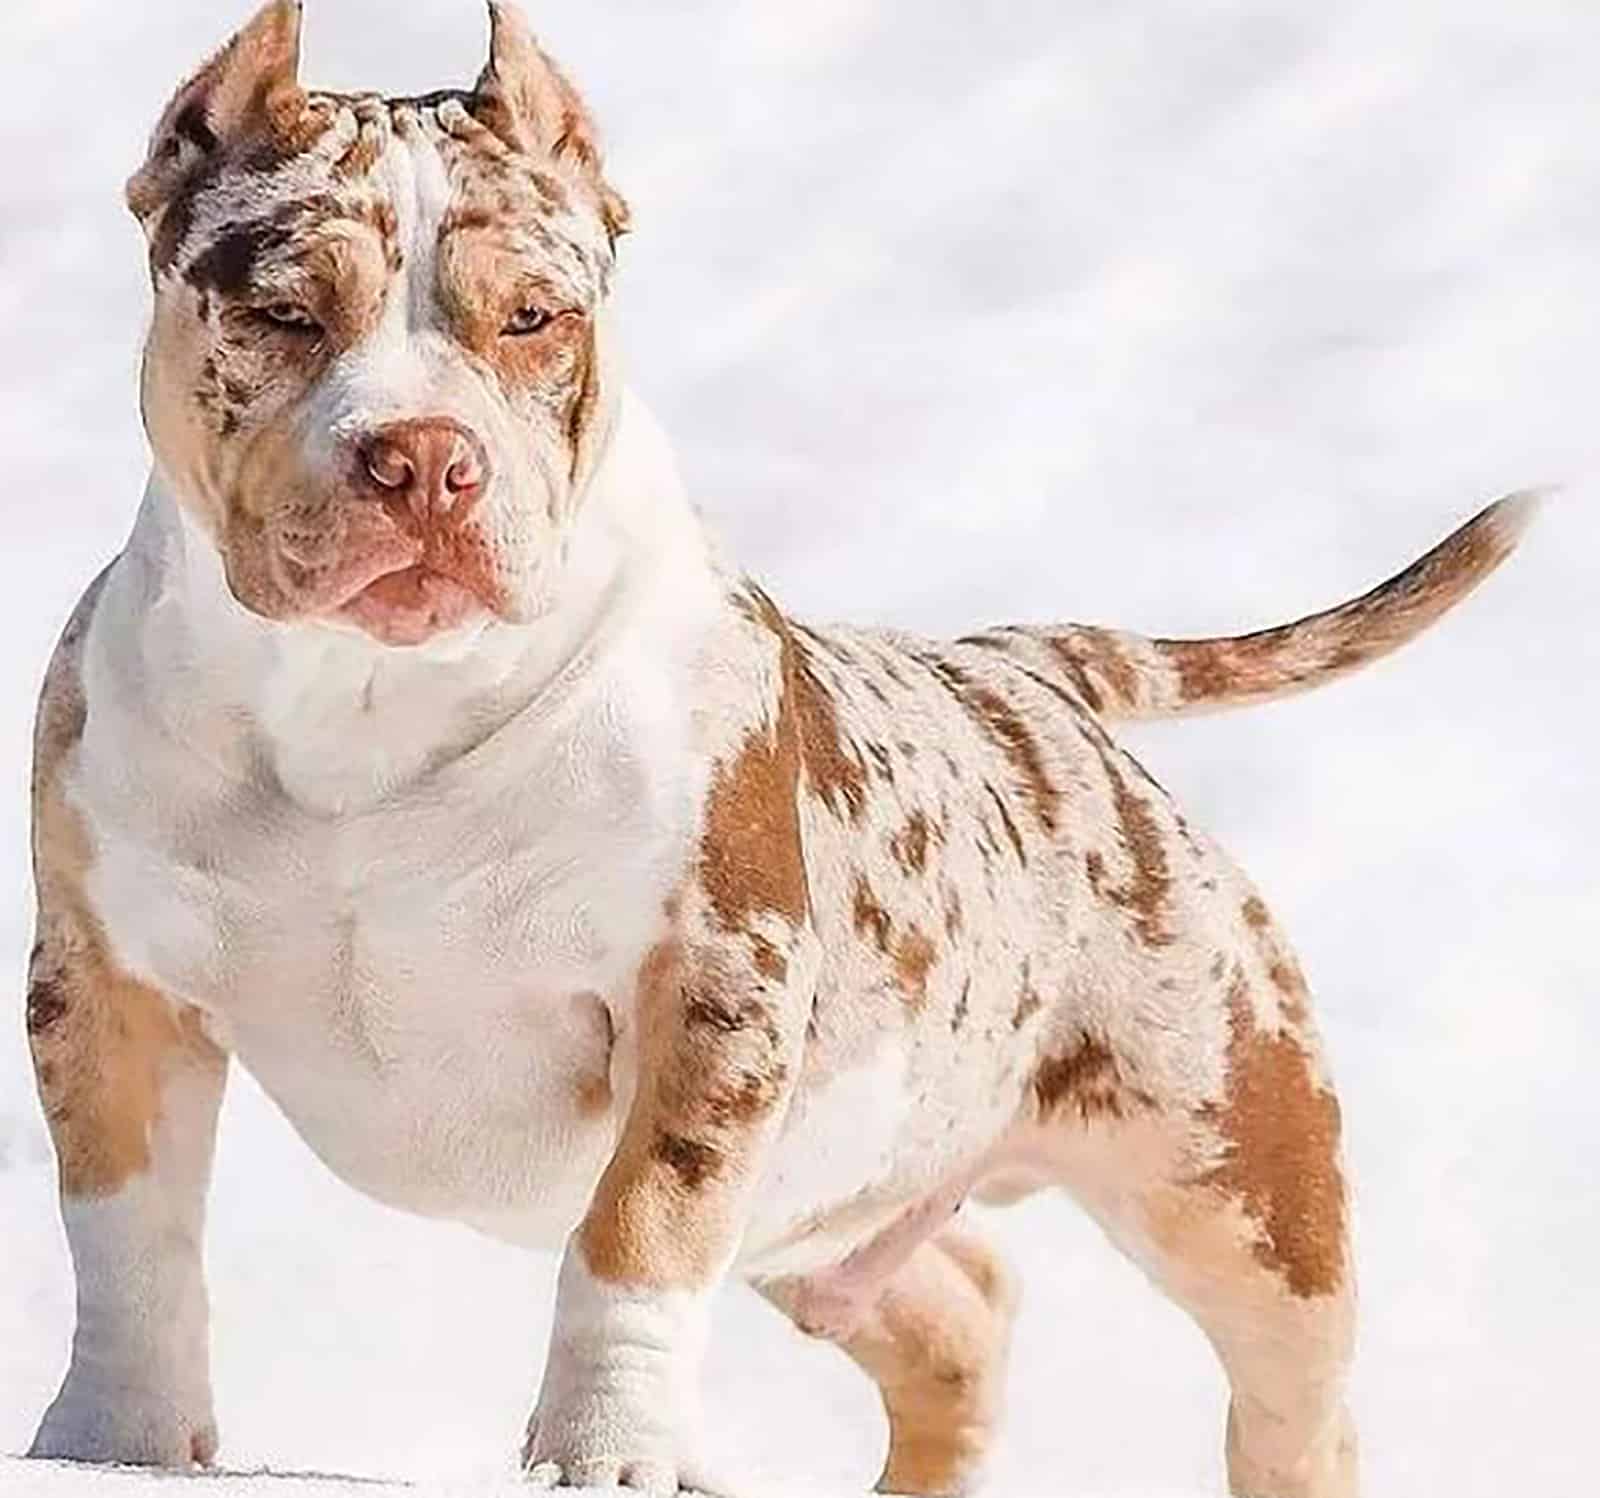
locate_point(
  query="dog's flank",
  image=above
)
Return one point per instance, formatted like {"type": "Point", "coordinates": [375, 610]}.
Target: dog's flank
{"type": "Point", "coordinates": [1121, 675]}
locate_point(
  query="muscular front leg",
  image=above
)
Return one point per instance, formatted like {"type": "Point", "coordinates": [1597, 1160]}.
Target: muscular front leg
{"type": "Point", "coordinates": [131, 1087]}
{"type": "Point", "coordinates": [619, 1403]}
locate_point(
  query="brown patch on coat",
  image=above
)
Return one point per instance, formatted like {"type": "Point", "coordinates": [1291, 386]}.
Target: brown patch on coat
{"type": "Point", "coordinates": [1096, 665]}
{"type": "Point", "coordinates": [910, 844]}
{"type": "Point", "coordinates": [914, 956]}
{"type": "Point", "coordinates": [1282, 968]}
{"type": "Point", "coordinates": [834, 773]}
{"type": "Point", "coordinates": [867, 914]}
{"type": "Point", "coordinates": [1280, 1130]}
{"type": "Point", "coordinates": [1005, 727]}
{"type": "Point", "coordinates": [1291, 985]}
{"type": "Point", "coordinates": [714, 1067]}
{"type": "Point", "coordinates": [750, 854]}
{"type": "Point", "coordinates": [692, 1162]}
{"type": "Point", "coordinates": [104, 1044]}
{"type": "Point", "coordinates": [769, 961]}
{"type": "Point", "coordinates": [1146, 893]}
{"type": "Point", "coordinates": [1086, 1078]}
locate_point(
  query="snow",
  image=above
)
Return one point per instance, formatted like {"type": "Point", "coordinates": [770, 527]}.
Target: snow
{"type": "Point", "coordinates": [63, 1480]}
{"type": "Point", "coordinates": [1181, 318]}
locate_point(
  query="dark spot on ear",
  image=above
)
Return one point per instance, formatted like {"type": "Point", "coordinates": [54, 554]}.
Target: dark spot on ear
{"type": "Point", "coordinates": [192, 126]}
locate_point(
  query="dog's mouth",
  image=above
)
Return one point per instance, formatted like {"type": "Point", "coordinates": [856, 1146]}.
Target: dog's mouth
{"type": "Point", "coordinates": [412, 605]}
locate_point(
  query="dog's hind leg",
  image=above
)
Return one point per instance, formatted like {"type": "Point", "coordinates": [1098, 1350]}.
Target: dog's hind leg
{"type": "Point", "coordinates": [934, 1338]}
{"type": "Point", "coordinates": [1238, 1210]}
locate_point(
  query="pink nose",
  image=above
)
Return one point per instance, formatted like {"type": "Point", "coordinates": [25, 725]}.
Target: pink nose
{"type": "Point", "coordinates": [431, 467]}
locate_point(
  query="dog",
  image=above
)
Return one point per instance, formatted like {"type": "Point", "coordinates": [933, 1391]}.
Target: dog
{"type": "Point", "coordinates": [421, 751]}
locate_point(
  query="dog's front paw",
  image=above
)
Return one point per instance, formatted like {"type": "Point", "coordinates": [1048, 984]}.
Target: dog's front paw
{"type": "Point", "coordinates": [598, 1441]}
{"type": "Point", "coordinates": [91, 1421]}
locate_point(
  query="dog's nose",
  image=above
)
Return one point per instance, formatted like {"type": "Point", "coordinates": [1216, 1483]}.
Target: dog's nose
{"type": "Point", "coordinates": [433, 467]}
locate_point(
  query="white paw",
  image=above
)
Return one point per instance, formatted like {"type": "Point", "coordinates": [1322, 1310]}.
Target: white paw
{"type": "Point", "coordinates": [595, 1443]}
{"type": "Point", "coordinates": [127, 1426]}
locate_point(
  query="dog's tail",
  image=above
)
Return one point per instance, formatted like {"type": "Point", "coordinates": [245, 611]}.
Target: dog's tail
{"type": "Point", "coordinates": [1129, 676]}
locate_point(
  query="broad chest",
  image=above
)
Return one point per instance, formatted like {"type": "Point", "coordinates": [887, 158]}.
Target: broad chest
{"type": "Point", "coordinates": [437, 989]}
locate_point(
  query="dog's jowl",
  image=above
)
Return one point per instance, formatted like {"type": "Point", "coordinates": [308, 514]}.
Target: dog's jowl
{"type": "Point", "coordinates": [421, 753]}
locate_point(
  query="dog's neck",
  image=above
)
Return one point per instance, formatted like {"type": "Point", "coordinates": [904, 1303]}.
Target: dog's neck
{"type": "Point", "coordinates": [339, 720]}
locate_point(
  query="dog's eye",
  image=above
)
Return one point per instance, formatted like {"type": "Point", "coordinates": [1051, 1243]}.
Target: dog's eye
{"type": "Point", "coordinates": [526, 320]}
{"type": "Point", "coordinates": [290, 315]}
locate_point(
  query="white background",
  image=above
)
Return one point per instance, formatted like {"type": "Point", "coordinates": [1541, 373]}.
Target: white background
{"type": "Point", "coordinates": [1180, 317]}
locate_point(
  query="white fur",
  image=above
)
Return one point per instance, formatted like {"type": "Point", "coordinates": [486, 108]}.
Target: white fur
{"type": "Point", "coordinates": [139, 1384]}
{"type": "Point", "coordinates": [619, 1401]}
{"type": "Point", "coordinates": [398, 938]}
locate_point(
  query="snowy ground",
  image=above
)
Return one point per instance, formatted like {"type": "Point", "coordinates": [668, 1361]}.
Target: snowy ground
{"type": "Point", "coordinates": [1179, 317]}
{"type": "Point", "coordinates": [37, 1480]}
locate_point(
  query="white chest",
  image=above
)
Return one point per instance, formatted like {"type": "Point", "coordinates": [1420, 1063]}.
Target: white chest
{"type": "Point", "coordinates": [437, 990]}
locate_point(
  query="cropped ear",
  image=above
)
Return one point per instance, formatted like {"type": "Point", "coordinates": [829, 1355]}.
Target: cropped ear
{"type": "Point", "coordinates": [251, 82]}
{"type": "Point", "coordinates": [527, 101]}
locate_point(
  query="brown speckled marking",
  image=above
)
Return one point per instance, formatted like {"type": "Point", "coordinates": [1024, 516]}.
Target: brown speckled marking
{"type": "Point", "coordinates": [910, 844]}
{"type": "Point", "coordinates": [1028, 1001]}
{"type": "Point", "coordinates": [868, 916]}
{"type": "Point", "coordinates": [1001, 721]}
{"type": "Point", "coordinates": [750, 856]}
{"type": "Point", "coordinates": [958, 1015]}
{"type": "Point", "coordinates": [834, 771]}
{"type": "Point", "coordinates": [1145, 895]}
{"type": "Point", "coordinates": [1283, 971]}
{"type": "Point", "coordinates": [914, 956]}
{"type": "Point", "coordinates": [714, 1067]}
{"type": "Point", "coordinates": [1012, 834]}
{"type": "Point", "coordinates": [1280, 1128]}
{"type": "Point", "coordinates": [1086, 1078]}
{"type": "Point", "coordinates": [692, 1162]}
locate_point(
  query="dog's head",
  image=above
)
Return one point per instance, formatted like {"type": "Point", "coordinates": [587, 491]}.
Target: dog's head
{"type": "Point", "coordinates": [375, 377]}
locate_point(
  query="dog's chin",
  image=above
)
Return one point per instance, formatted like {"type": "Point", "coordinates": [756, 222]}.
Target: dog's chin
{"type": "Point", "coordinates": [410, 607]}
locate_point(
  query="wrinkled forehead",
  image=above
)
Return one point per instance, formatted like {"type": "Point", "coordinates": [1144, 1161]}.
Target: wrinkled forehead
{"type": "Point", "coordinates": [413, 174]}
